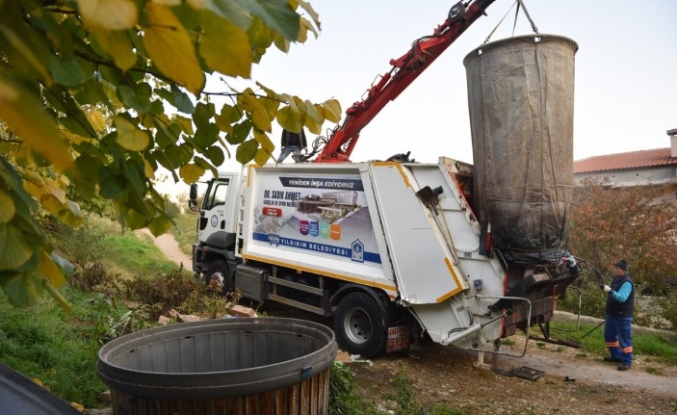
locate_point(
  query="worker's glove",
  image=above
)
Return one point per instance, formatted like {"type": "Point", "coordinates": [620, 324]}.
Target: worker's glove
{"type": "Point", "coordinates": [606, 288]}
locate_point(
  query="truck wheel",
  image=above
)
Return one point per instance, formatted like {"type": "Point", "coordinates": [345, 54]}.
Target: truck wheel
{"type": "Point", "coordinates": [219, 270]}
{"type": "Point", "coordinates": [360, 325]}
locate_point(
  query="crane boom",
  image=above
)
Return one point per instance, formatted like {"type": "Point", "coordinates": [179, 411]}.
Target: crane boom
{"type": "Point", "coordinates": [404, 71]}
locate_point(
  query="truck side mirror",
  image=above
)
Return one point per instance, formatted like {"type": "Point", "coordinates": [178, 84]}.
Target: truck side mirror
{"type": "Point", "coordinates": [192, 201]}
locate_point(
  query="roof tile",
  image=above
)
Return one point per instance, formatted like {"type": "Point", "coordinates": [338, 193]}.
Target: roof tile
{"type": "Point", "coordinates": [632, 160]}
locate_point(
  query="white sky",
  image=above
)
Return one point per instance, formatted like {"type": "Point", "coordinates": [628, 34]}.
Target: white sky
{"type": "Point", "coordinates": [625, 95]}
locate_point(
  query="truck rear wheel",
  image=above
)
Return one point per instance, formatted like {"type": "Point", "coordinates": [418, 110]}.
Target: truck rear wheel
{"type": "Point", "coordinates": [220, 271]}
{"type": "Point", "coordinates": [360, 325]}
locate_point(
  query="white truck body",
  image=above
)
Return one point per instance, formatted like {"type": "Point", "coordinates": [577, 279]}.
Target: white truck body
{"type": "Point", "coordinates": [312, 235]}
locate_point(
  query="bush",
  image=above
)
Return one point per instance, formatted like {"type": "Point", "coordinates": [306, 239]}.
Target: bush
{"type": "Point", "coordinates": [162, 292]}
{"type": "Point", "coordinates": [93, 277]}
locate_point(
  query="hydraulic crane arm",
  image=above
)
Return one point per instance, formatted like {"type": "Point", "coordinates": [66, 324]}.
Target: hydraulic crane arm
{"type": "Point", "coordinates": [403, 72]}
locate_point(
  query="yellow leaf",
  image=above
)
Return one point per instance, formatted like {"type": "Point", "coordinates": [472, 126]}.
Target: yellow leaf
{"type": "Point", "coordinates": [264, 141]}
{"type": "Point", "coordinates": [96, 119]}
{"type": "Point", "coordinates": [130, 137]}
{"type": "Point", "coordinates": [185, 123]}
{"type": "Point", "coordinates": [262, 157]}
{"type": "Point", "coordinates": [311, 12]}
{"type": "Point", "coordinates": [190, 173]}
{"type": "Point", "coordinates": [25, 115]}
{"type": "Point", "coordinates": [224, 46]}
{"type": "Point", "coordinates": [226, 118]}
{"type": "Point", "coordinates": [332, 110]}
{"type": "Point", "coordinates": [8, 208]}
{"type": "Point", "coordinates": [49, 269]}
{"type": "Point", "coordinates": [70, 214]}
{"type": "Point", "coordinates": [248, 102]}
{"type": "Point", "coordinates": [170, 48]}
{"type": "Point", "coordinates": [118, 46]}
{"type": "Point", "coordinates": [148, 169]}
{"type": "Point", "coordinates": [108, 14]}
{"type": "Point", "coordinates": [313, 126]}
{"type": "Point", "coordinates": [290, 120]}
{"type": "Point", "coordinates": [271, 105]}
{"type": "Point", "coordinates": [312, 111]}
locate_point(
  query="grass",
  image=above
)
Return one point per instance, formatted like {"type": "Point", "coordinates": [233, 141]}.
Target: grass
{"type": "Point", "coordinates": [125, 253]}
{"type": "Point", "coordinates": [43, 342]}
{"type": "Point", "coordinates": [658, 345]}
{"type": "Point", "coordinates": [132, 255]}
{"type": "Point", "coordinates": [185, 230]}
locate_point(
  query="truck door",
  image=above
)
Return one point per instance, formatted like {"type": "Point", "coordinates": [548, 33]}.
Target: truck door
{"type": "Point", "coordinates": [218, 209]}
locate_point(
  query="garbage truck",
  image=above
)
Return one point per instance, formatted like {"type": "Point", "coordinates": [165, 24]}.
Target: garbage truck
{"type": "Point", "coordinates": [392, 250]}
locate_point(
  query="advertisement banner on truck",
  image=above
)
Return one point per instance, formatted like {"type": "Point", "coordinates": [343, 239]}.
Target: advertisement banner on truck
{"type": "Point", "coordinates": [327, 215]}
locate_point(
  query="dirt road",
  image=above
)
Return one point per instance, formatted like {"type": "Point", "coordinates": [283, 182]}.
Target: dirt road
{"type": "Point", "coordinates": [170, 247]}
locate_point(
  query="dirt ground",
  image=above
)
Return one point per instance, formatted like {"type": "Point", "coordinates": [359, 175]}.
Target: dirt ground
{"type": "Point", "coordinates": [571, 382]}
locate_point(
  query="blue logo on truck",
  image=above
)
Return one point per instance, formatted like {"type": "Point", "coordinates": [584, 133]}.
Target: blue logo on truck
{"type": "Point", "coordinates": [357, 249]}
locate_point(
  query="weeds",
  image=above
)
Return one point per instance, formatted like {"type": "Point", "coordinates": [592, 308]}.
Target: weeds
{"type": "Point", "coordinates": [108, 321]}
{"type": "Point", "coordinates": [162, 292]}
{"type": "Point", "coordinates": [343, 399]}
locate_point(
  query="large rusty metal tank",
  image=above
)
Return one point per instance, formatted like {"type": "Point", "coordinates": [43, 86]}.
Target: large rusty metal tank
{"type": "Point", "coordinates": [521, 100]}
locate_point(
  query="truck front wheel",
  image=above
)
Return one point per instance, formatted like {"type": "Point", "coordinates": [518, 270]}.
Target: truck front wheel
{"type": "Point", "coordinates": [360, 325]}
{"type": "Point", "coordinates": [218, 270]}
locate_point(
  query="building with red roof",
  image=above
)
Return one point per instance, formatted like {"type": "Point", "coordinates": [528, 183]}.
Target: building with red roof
{"type": "Point", "coordinates": [657, 166]}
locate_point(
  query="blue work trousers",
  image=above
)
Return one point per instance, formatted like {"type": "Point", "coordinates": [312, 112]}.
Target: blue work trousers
{"type": "Point", "coordinates": [618, 338]}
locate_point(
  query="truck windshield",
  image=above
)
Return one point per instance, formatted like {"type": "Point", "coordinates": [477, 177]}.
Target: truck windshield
{"type": "Point", "coordinates": [216, 195]}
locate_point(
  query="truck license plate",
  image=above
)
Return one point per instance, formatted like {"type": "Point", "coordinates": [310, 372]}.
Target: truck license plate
{"type": "Point", "coordinates": [398, 338]}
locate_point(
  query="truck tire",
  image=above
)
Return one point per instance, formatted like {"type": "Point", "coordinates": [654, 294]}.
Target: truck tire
{"type": "Point", "coordinates": [360, 325]}
{"type": "Point", "coordinates": [219, 268]}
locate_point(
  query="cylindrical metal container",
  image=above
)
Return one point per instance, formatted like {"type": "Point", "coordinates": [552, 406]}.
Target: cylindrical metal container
{"type": "Point", "coordinates": [521, 100]}
{"type": "Point", "coordinates": [226, 366]}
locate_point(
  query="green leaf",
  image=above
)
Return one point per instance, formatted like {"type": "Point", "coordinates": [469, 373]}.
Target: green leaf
{"type": "Point", "coordinates": [70, 72]}
{"type": "Point", "coordinates": [165, 134]}
{"type": "Point", "coordinates": [224, 46]}
{"type": "Point", "coordinates": [228, 9]}
{"type": "Point", "coordinates": [112, 187]}
{"type": "Point", "coordinates": [134, 174]}
{"type": "Point", "coordinates": [276, 14]}
{"type": "Point", "coordinates": [215, 155]}
{"type": "Point", "coordinates": [160, 225]}
{"type": "Point", "coordinates": [203, 115]}
{"type": "Point", "coordinates": [182, 101]}
{"type": "Point", "coordinates": [8, 208]}
{"type": "Point", "coordinates": [15, 250]}
{"type": "Point", "coordinates": [137, 99]}
{"type": "Point", "coordinates": [129, 137]}
{"type": "Point", "coordinates": [23, 289]}
{"type": "Point", "coordinates": [27, 54]}
{"type": "Point", "coordinates": [171, 49]}
{"type": "Point", "coordinates": [246, 151]}
{"type": "Point", "coordinates": [240, 132]}
{"type": "Point", "coordinates": [191, 173]}
{"type": "Point", "coordinates": [205, 137]}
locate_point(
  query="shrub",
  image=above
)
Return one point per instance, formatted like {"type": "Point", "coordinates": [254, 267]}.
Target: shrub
{"type": "Point", "coordinates": [162, 292]}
